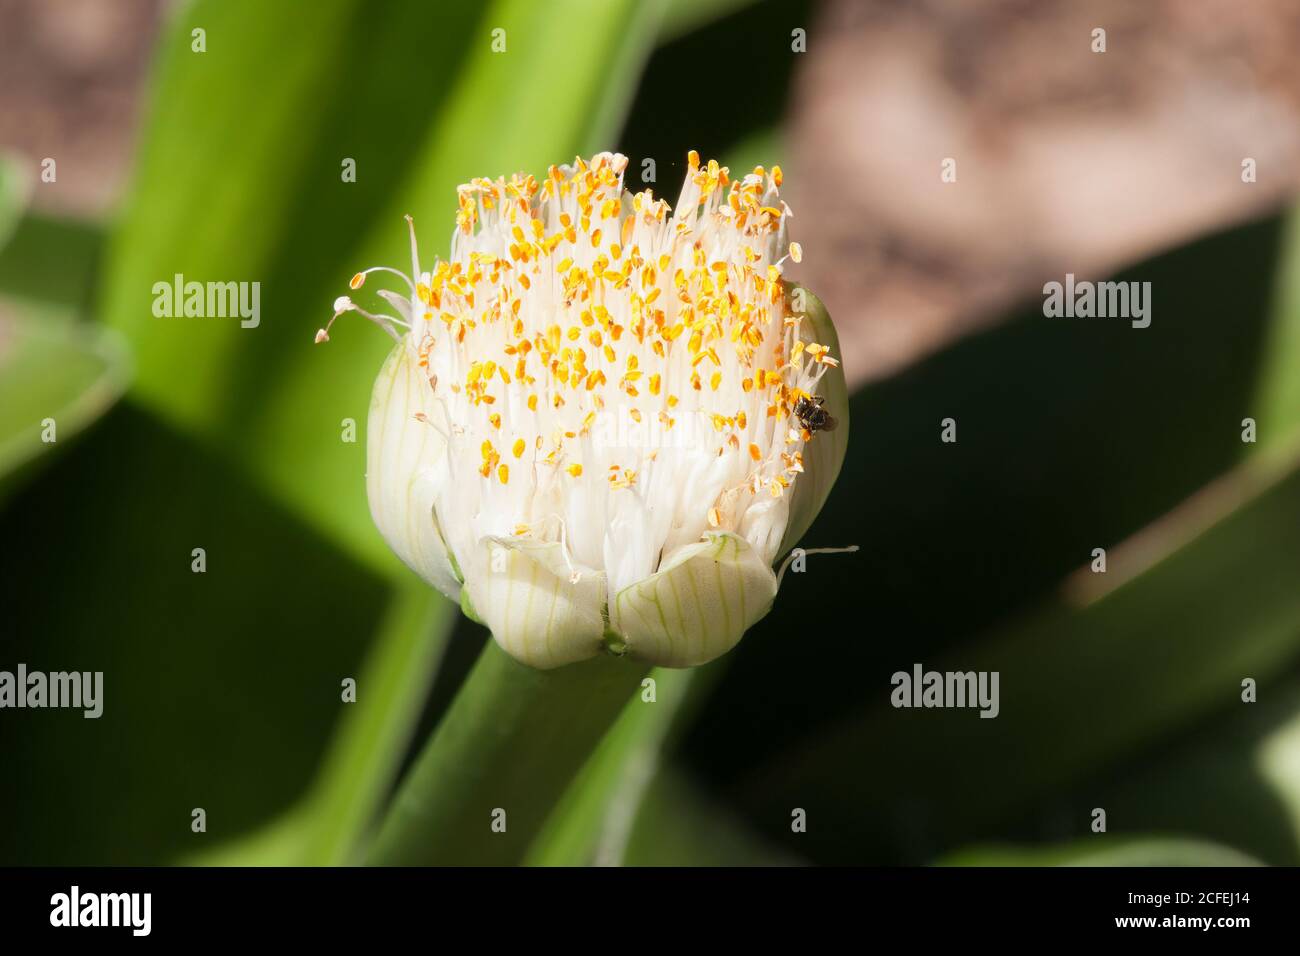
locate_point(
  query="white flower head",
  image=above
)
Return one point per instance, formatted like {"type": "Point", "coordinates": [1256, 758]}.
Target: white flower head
{"type": "Point", "coordinates": [605, 418]}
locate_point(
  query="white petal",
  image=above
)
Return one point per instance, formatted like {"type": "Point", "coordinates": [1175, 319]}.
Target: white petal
{"type": "Point", "coordinates": [543, 611]}
{"type": "Point", "coordinates": [698, 605]}
{"type": "Point", "coordinates": [405, 468]}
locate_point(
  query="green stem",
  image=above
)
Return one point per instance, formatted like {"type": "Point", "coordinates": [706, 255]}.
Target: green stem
{"type": "Point", "coordinates": [366, 757]}
{"type": "Point", "coordinates": [510, 744]}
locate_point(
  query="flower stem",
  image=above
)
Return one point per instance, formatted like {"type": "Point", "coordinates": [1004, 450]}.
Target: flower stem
{"type": "Point", "coordinates": [500, 759]}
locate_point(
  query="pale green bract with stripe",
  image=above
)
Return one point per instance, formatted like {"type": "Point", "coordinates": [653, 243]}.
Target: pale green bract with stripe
{"type": "Point", "coordinates": [698, 606]}
{"type": "Point", "coordinates": [539, 611]}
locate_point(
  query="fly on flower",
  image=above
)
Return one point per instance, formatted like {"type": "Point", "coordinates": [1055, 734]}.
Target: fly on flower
{"type": "Point", "coordinates": [568, 303]}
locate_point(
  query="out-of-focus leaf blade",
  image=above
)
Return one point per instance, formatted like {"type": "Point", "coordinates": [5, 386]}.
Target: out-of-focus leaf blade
{"type": "Point", "coordinates": [1103, 851]}
{"type": "Point", "coordinates": [1276, 404]}
{"type": "Point", "coordinates": [683, 16]}
{"type": "Point", "coordinates": [14, 190]}
{"type": "Point", "coordinates": [15, 187]}
{"type": "Point", "coordinates": [593, 822]}
{"type": "Point", "coordinates": [51, 261]}
{"type": "Point", "coordinates": [362, 768]}
{"type": "Point", "coordinates": [701, 53]}
{"type": "Point", "coordinates": [679, 826]}
{"type": "Point", "coordinates": [47, 261]}
{"type": "Point", "coordinates": [1233, 778]}
{"type": "Point", "coordinates": [57, 371]}
{"type": "Point", "coordinates": [328, 825]}
{"type": "Point", "coordinates": [221, 688]}
{"type": "Point", "coordinates": [1155, 648]}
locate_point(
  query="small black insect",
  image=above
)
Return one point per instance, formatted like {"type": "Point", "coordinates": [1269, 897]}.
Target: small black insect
{"type": "Point", "coordinates": [813, 416]}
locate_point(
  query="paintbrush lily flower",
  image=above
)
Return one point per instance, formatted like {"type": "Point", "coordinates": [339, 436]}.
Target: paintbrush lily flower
{"type": "Point", "coordinates": [605, 418]}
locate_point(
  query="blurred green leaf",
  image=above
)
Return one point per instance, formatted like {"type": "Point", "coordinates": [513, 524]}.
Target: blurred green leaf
{"type": "Point", "coordinates": [685, 16]}
{"type": "Point", "coordinates": [701, 43]}
{"type": "Point", "coordinates": [15, 188]}
{"type": "Point", "coordinates": [327, 826]}
{"type": "Point", "coordinates": [221, 689]}
{"type": "Point", "coordinates": [51, 261]}
{"type": "Point", "coordinates": [52, 368]}
{"type": "Point", "coordinates": [680, 826]}
{"type": "Point", "coordinates": [765, 147]}
{"type": "Point", "coordinates": [228, 193]}
{"type": "Point", "coordinates": [1106, 851]}
{"type": "Point", "coordinates": [1183, 612]}
{"type": "Point", "coordinates": [361, 768]}
{"type": "Point", "coordinates": [593, 821]}
{"type": "Point", "coordinates": [1276, 402]}
{"type": "Point", "coordinates": [1233, 778]}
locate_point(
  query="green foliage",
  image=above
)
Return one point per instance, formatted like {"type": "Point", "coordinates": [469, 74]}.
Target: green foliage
{"type": "Point", "coordinates": [15, 186]}
{"type": "Point", "coordinates": [222, 688]}
{"type": "Point", "coordinates": [56, 377]}
{"type": "Point", "coordinates": [1151, 851]}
